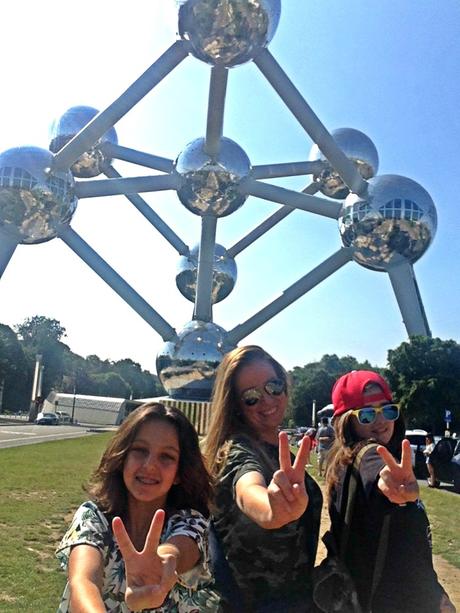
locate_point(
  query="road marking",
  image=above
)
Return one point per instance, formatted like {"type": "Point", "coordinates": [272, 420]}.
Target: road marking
{"type": "Point", "coordinates": [66, 435]}
{"type": "Point", "coordinates": [24, 433]}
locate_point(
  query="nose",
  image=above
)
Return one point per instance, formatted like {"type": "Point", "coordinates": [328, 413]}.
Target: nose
{"type": "Point", "coordinates": [268, 398]}
{"type": "Point", "coordinates": [150, 461]}
{"type": "Point", "coordinates": [380, 419]}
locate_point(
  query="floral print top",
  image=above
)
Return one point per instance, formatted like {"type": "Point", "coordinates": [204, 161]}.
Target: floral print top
{"type": "Point", "coordinates": [192, 592]}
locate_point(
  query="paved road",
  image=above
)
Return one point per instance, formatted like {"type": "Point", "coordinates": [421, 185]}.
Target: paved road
{"type": "Point", "coordinates": [20, 433]}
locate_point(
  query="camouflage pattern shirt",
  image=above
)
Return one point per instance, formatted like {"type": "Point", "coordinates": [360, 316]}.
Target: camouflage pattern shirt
{"type": "Point", "coordinates": [271, 567]}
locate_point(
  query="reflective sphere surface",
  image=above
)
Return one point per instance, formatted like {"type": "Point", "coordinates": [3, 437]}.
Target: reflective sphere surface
{"type": "Point", "coordinates": [92, 162]}
{"type": "Point", "coordinates": [223, 277]}
{"type": "Point", "coordinates": [33, 199]}
{"type": "Point", "coordinates": [187, 367]}
{"type": "Point", "coordinates": [359, 149]}
{"type": "Point", "coordinates": [210, 186]}
{"type": "Point", "coordinates": [397, 219]}
{"type": "Point", "coordinates": [228, 32]}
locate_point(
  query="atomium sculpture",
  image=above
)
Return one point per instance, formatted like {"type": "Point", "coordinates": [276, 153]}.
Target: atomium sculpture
{"type": "Point", "coordinates": [386, 222]}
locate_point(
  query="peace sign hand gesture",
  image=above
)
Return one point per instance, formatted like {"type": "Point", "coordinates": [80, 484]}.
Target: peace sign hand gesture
{"type": "Point", "coordinates": [149, 576]}
{"type": "Point", "coordinates": [397, 481]}
{"type": "Point", "coordinates": [287, 495]}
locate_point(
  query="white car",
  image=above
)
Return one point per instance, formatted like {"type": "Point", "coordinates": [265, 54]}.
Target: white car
{"type": "Point", "coordinates": [417, 444]}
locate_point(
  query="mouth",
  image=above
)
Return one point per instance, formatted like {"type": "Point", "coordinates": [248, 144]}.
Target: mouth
{"type": "Point", "coordinates": [147, 481]}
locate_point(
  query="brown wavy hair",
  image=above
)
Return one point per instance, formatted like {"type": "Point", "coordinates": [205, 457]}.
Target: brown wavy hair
{"type": "Point", "coordinates": [107, 488]}
{"type": "Point", "coordinates": [347, 445]}
{"type": "Point", "coordinates": [226, 418]}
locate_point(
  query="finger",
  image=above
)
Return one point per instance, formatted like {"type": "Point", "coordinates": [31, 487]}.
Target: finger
{"type": "Point", "coordinates": [284, 484]}
{"type": "Point", "coordinates": [387, 457]}
{"type": "Point", "coordinates": [169, 576]}
{"type": "Point", "coordinates": [284, 452]}
{"type": "Point", "coordinates": [301, 458]}
{"type": "Point", "coordinates": [154, 533]}
{"type": "Point", "coordinates": [124, 542]}
{"type": "Point", "coordinates": [406, 456]}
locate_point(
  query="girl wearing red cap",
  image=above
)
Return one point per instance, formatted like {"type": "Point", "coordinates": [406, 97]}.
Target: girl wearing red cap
{"type": "Point", "coordinates": [404, 579]}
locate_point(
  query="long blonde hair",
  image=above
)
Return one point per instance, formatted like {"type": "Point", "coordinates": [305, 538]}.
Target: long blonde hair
{"type": "Point", "coordinates": [226, 418]}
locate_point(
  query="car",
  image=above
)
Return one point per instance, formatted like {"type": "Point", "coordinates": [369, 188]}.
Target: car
{"type": "Point", "coordinates": [445, 459]}
{"type": "Point", "coordinates": [417, 439]}
{"type": "Point", "coordinates": [64, 418]}
{"type": "Point", "coordinates": [47, 419]}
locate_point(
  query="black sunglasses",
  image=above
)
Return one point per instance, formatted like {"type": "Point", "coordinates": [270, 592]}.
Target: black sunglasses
{"type": "Point", "coordinates": [273, 387]}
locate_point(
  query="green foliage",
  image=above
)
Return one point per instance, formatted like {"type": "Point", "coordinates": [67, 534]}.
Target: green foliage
{"type": "Point", "coordinates": [425, 377]}
{"type": "Point", "coordinates": [314, 381]}
{"type": "Point", "coordinates": [64, 371]}
{"type": "Point", "coordinates": [15, 371]}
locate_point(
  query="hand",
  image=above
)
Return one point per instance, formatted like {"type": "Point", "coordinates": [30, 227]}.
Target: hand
{"type": "Point", "coordinates": [397, 481]}
{"type": "Point", "coordinates": [446, 605]}
{"type": "Point", "coordinates": [287, 495]}
{"type": "Point", "coordinates": [149, 576]}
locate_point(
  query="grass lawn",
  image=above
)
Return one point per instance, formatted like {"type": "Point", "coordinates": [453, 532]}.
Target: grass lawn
{"type": "Point", "coordinates": [40, 488]}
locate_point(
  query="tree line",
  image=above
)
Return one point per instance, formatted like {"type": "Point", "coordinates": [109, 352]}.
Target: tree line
{"type": "Point", "coordinates": [424, 374]}
{"type": "Point", "coordinates": [64, 371]}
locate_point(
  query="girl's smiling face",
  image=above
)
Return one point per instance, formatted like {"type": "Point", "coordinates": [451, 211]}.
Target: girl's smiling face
{"type": "Point", "coordinates": [152, 462]}
{"type": "Point", "coordinates": [267, 414]}
{"type": "Point", "coordinates": [380, 429]}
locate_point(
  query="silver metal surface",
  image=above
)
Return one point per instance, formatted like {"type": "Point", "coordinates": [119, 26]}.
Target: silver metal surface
{"type": "Point", "coordinates": [210, 185]}
{"type": "Point", "coordinates": [395, 222]}
{"type": "Point", "coordinates": [358, 148]}
{"type": "Point", "coordinates": [92, 162]}
{"type": "Point", "coordinates": [33, 198]}
{"type": "Point", "coordinates": [187, 366]}
{"type": "Point", "coordinates": [228, 32]}
{"type": "Point", "coordinates": [223, 275]}
{"type": "Point", "coordinates": [410, 303]}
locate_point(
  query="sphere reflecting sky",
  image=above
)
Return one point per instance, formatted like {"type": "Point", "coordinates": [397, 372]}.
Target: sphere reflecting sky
{"type": "Point", "coordinates": [359, 149]}
{"type": "Point", "coordinates": [228, 32]}
{"type": "Point", "coordinates": [210, 186]}
{"type": "Point", "coordinates": [187, 366]}
{"type": "Point", "coordinates": [33, 198]}
{"type": "Point", "coordinates": [223, 278]}
{"type": "Point", "coordinates": [92, 162]}
{"type": "Point", "coordinates": [396, 220]}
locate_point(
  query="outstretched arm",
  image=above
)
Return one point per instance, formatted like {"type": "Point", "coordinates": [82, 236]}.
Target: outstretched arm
{"type": "Point", "coordinates": [397, 480]}
{"type": "Point", "coordinates": [285, 498]}
{"type": "Point", "coordinates": [85, 579]}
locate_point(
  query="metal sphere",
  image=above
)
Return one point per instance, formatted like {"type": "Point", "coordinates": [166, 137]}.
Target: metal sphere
{"type": "Point", "coordinates": [210, 185]}
{"type": "Point", "coordinates": [92, 162]}
{"type": "Point", "coordinates": [228, 32]}
{"type": "Point", "coordinates": [33, 198]}
{"type": "Point", "coordinates": [187, 366]}
{"type": "Point", "coordinates": [223, 276]}
{"type": "Point", "coordinates": [359, 149]}
{"type": "Point", "coordinates": [395, 220]}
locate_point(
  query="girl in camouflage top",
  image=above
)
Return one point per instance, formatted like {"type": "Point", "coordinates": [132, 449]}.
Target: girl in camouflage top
{"type": "Point", "coordinates": [267, 509]}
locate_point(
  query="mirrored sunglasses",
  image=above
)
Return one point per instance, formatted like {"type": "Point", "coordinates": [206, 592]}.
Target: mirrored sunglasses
{"type": "Point", "coordinates": [367, 415]}
{"type": "Point", "coordinates": [273, 387]}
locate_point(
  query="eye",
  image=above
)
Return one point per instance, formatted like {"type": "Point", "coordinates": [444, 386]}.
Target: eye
{"type": "Point", "coordinates": [169, 457]}
{"type": "Point", "coordinates": [138, 451]}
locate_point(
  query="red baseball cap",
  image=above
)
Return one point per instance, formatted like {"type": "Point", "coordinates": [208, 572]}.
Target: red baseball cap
{"type": "Point", "coordinates": [348, 391]}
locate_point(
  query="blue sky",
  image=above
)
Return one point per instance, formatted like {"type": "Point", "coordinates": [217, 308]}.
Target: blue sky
{"type": "Point", "coordinates": [389, 69]}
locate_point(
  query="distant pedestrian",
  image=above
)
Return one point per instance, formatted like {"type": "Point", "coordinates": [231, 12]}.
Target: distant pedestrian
{"type": "Point", "coordinates": [429, 446]}
{"type": "Point", "coordinates": [325, 438]}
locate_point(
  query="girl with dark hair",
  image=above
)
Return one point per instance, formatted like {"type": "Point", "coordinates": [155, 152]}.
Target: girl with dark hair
{"type": "Point", "coordinates": [392, 573]}
{"type": "Point", "coordinates": [267, 509]}
{"type": "Point", "coordinates": [151, 472]}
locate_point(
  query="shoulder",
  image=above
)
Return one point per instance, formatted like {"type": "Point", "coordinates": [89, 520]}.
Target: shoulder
{"type": "Point", "coordinates": [186, 522]}
{"type": "Point", "coordinates": [89, 527]}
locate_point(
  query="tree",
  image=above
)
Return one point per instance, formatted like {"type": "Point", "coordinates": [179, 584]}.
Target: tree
{"type": "Point", "coordinates": [314, 381]}
{"type": "Point", "coordinates": [15, 372]}
{"type": "Point", "coordinates": [38, 331]}
{"type": "Point", "coordinates": [425, 377]}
